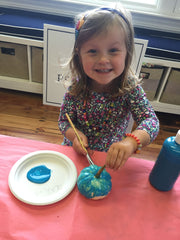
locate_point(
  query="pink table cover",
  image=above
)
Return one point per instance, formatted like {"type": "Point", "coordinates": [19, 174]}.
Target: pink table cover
{"type": "Point", "coordinates": [134, 210]}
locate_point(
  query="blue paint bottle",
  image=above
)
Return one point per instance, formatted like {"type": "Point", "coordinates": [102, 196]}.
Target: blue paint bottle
{"type": "Point", "coordinates": [167, 167]}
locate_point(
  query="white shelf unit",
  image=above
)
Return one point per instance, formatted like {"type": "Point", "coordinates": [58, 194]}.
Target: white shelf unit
{"type": "Point", "coordinates": [17, 83]}
{"type": "Point", "coordinates": [156, 102]}
{"type": "Point", "coordinates": [52, 70]}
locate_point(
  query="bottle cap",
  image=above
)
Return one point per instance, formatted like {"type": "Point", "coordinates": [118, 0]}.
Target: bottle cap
{"type": "Point", "coordinates": [177, 138]}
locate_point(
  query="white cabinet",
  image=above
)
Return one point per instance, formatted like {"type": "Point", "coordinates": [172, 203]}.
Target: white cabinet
{"type": "Point", "coordinates": [58, 45]}
{"type": "Point", "coordinates": [21, 65]}
{"type": "Point", "coordinates": [164, 89]}
{"type": "Point", "coordinates": [36, 66]}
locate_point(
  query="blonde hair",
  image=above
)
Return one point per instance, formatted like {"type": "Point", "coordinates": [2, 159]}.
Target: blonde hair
{"type": "Point", "coordinates": [91, 24]}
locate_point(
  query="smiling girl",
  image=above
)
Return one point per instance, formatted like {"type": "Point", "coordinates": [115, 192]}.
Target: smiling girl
{"type": "Point", "coordinates": [104, 93]}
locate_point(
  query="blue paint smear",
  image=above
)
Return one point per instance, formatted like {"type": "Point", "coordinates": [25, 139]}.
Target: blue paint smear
{"type": "Point", "coordinates": [39, 174]}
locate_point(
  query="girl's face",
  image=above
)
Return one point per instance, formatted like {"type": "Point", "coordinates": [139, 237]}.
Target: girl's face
{"type": "Point", "coordinates": [103, 57]}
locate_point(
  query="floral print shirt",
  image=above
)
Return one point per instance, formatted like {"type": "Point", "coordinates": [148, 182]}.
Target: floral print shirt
{"type": "Point", "coordinates": [104, 120]}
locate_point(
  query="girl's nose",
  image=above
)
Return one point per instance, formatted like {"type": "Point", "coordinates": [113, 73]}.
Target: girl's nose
{"type": "Point", "coordinates": [103, 59]}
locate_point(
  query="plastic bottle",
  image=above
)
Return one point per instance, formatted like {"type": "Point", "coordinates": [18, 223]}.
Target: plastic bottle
{"type": "Point", "coordinates": [167, 167]}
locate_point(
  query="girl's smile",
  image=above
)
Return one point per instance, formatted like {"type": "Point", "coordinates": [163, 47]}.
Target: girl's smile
{"type": "Point", "coordinates": [103, 57]}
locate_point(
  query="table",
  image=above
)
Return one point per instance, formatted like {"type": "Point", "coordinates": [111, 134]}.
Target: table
{"type": "Point", "coordinates": [134, 210]}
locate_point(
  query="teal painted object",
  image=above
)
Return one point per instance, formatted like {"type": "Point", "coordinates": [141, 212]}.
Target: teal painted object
{"type": "Point", "coordinates": [92, 187]}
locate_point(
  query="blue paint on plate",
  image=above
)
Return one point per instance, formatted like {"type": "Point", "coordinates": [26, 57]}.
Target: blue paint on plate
{"type": "Point", "coordinates": [39, 174]}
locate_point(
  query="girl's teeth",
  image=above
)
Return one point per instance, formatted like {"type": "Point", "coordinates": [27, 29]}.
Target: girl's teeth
{"type": "Point", "coordinates": [103, 70]}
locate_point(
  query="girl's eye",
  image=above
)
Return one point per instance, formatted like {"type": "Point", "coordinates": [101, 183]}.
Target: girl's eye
{"type": "Point", "coordinates": [92, 51]}
{"type": "Point", "coordinates": [114, 50]}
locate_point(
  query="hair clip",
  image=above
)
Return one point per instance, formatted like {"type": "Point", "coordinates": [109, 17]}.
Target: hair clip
{"type": "Point", "coordinates": [80, 23]}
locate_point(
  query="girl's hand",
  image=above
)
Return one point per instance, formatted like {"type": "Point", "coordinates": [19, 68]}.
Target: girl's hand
{"type": "Point", "coordinates": [77, 146]}
{"type": "Point", "coordinates": [119, 152]}
{"type": "Point", "coordinates": [70, 134]}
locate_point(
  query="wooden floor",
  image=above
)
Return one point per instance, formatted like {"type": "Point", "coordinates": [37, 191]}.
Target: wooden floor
{"type": "Point", "coordinates": [24, 115]}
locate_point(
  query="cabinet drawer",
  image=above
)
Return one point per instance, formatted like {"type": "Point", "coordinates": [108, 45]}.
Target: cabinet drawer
{"type": "Point", "coordinates": [171, 93]}
{"type": "Point", "coordinates": [151, 75]}
{"type": "Point", "coordinates": [14, 62]}
{"type": "Point", "coordinates": [37, 64]}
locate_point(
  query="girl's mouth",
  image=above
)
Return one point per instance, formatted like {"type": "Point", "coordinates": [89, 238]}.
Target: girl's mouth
{"type": "Point", "coordinates": [103, 70]}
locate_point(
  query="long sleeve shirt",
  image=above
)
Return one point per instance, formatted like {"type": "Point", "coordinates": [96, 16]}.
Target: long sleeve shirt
{"type": "Point", "coordinates": [104, 119]}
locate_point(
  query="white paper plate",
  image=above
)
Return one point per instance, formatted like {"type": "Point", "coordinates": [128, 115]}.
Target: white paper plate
{"type": "Point", "coordinates": [61, 183]}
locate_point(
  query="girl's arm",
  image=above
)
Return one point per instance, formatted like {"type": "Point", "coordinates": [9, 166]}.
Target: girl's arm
{"type": "Point", "coordinates": [143, 113]}
{"type": "Point", "coordinates": [146, 131]}
{"type": "Point", "coordinates": [69, 107]}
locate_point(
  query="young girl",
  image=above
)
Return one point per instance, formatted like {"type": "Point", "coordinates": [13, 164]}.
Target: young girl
{"type": "Point", "coordinates": [104, 93]}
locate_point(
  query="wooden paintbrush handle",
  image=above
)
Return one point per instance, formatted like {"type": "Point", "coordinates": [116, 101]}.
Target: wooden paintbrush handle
{"type": "Point", "coordinates": [77, 135]}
